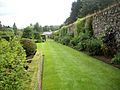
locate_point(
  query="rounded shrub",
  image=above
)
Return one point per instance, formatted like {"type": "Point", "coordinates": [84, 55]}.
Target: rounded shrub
{"type": "Point", "coordinates": [66, 40]}
{"type": "Point", "coordinates": [29, 46]}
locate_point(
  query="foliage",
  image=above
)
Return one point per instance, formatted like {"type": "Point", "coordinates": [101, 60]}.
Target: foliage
{"type": "Point", "coordinates": [63, 31]}
{"type": "Point", "coordinates": [66, 40]}
{"type": "Point", "coordinates": [28, 32]}
{"type": "Point", "coordinates": [109, 46]}
{"type": "Point", "coordinates": [116, 58]}
{"type": "Point", "coordinates": [82, 41]}
{"type": "Point", "coordinates": [8, 34]}
{"type": "Point", "coordinates": [29, 46]}
{"type": "Point", "coordinates": [0, 26]}
{"type": "Point", "coordinates": [38, 28]}
{"type": "Point", "coordinates": [81, 45]}
{"type": "Point", "coordinates": [81, 8]}
{"type": "Point", "coordinates": [46, 28]}
{"type": "Point", "coordinates": [93, 46]}
{"type": "Point", "coordinates": [15, 29]}
{"type": "Point", "coordinates": [37, 37]}
{"type": "Point", "coordinates": [56, 38]}
{"type": "Point", "coordinates": [12, 60]}
{"type": "Point", "coordinates": [88, 26]}
{"type": "Point", "coordinates": [76, 6]}
{"type": "Point", "coordinates": [74, 41]}
{"type": "Point", "coordinates": [43, 38]}
{"type": "Point", "coordinates": [50, 28]}
{"type": "Point", "coordinates": [80, 24]}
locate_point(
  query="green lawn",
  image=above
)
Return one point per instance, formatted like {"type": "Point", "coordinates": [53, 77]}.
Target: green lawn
{"type": "Point", "coordinates": [68, 69]}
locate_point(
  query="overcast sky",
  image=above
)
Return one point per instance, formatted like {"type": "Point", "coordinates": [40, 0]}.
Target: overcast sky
{"type": "Point", "coordinates": [24, 12]}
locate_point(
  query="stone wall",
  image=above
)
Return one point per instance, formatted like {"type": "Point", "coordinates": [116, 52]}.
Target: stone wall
{"type": "Point", "coordinates": [108, 19]}
{"type": "Point", "coordinates": [71, 29]}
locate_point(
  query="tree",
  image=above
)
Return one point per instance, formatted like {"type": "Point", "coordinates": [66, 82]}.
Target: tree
{"type": "Point", "coordinates": [0, 25]}
{"type": "Point", "coordinates": [36, 27]}
{"type": "Point", "coordinates": [28, 32]}
{"type": "Point", "coordinates": [15, 29]}
{"type": "Point", "coordinates": [76, 6]}
{"type": "Point", "coordinates": [81, 8]}
{"type": "Point", "coordinates": [46, 28]}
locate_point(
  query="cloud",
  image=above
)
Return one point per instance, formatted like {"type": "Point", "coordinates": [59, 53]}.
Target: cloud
{"type": "Point", "coordinates": [24, 12]}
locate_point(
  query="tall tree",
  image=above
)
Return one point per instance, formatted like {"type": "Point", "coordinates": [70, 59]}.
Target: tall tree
{"type": "Point", "coordinates": [0, 26]}
{"type": "Point", "coordinates": [81, 8]}
{"type": "Point", "coordinates": [28, 32]}
{"type": "Point", "coordinates": [46, 28]}
{"type": "Point", "coordinates": [75, 11]}
{"type": "Point", "coordinates": [38, 28]}
{"type": "Point", "coordinates": [15, 29]}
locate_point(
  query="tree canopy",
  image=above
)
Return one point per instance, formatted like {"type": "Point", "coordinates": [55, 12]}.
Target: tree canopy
{"type": "Point", "coordinates": [81, 8]}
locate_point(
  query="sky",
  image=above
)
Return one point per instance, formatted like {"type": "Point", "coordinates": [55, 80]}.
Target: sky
{"type": "Point", "coordinates": [25, 12]}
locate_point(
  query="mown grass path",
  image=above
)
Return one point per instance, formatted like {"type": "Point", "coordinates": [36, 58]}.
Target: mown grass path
{"type": "Point", "coordinates": [68, 69]}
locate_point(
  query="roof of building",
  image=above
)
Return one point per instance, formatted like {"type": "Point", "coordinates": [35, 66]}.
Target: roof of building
{"type": "Point", "coordinates": [47, 33]}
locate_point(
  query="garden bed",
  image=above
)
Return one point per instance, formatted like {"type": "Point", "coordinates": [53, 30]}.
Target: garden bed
{"type": "Point", "coordinates": [107, 60]}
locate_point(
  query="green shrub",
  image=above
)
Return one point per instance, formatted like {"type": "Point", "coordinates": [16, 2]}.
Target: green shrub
{"type": "Point", "coordinates": [60, 39]}
{"type": "Point", "coordinates": [28, 32]}
{"type": "Point", "coordinates": [7, 34]}
{"type": "Point", "coordinates": [29, 46]}
{"type": "Point", "coordinates": [63, 31]}
{"type": "Point", "coordinates": [89, 44]}
{"type": "Point", "coordinates": [83, 36]}
{"type": "Point", "coordinates": [88, 26]}
{"type": "Point", "coordinates": [66, 40]}
{"type": "Point", "coordinates": [82, 41]}
{"type": "Point", "coordinates": [80, 24]}
{"type": "Point", "coordinates": [37, 37]}
{"type": "Point", "coordinates": [81, 45]}
{"type": "Point", "coordinates": [56, 38]}
{"type": "Point", "coordinates": [116, 59]}
{"type": "Point", "coordinates": [74, 41]}
{"type": "Point", "coordinates": [12, 61]}
{"type": "Point", "coordinates": [109, 42]}
{"type": "Point", "coordinates": [107, 50]}
{"type": "Point", "coordinates": [93, 46]}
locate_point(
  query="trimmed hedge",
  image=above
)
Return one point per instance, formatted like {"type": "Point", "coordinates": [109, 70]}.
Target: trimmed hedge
{"type": "Point", "coordinates": [29, 46]}
{"type": "Point", "coordinates": [12, 60]}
